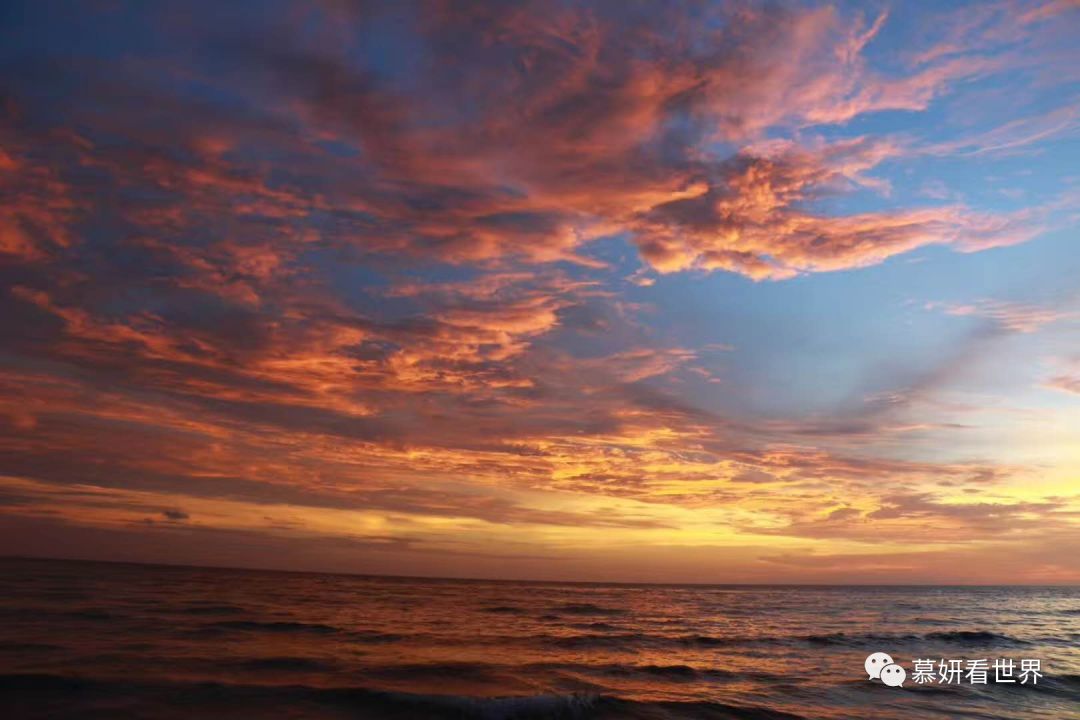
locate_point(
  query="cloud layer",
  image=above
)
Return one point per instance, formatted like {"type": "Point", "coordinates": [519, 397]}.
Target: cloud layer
{"type": "Point", "coordinates": [403, 277]}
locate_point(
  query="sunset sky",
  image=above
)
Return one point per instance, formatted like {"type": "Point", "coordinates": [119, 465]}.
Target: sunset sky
{"type": "Point", "coordinates": [690, 292]}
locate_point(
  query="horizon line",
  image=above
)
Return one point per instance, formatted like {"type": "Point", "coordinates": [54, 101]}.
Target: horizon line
{"type": "Point", "coordinates": [436, 578]}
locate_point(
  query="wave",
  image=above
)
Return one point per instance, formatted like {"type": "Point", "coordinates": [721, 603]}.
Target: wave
{"type": "Point", "coordinates": [491, 671]}
{"type": "Point", "coordinates": [508, 708]}
{"type": "Point", "coordinates": [837, 639]}
{"type": "Point", "coordinates": [36, 696]}
{"type": "Point", "coordinates": [370, 637]}
{"type": "Point", "coordinates": [853, 640]}
{"type": "Point", "coordinates": [975, 637]}
{"type": "Point", "coordinates": [27, 647]}
{"type": "Point", "coordinates": [61, 594]}
{"type": "Point", "coordinates": [607, 636]}
{"type": "Point", "coordinates": [89, 614]}
{"type": "Point", "coordinates": [503, 610]}
{"type": "Point", "coordinates": [374, 637]}
{"type": "Point", "coordinates": [960, 637]}
{"type": "Point", "coordinates": [676, 673]}
{"type": "Point", "coordinates": [210, 610]}
{"type": "Point", "coordinates": [580, 642]}
{"type": "Point", "coordinates": [666, 671]}
{"type": "Point", "coordinates": [284, 664]}
{"type": "Point", "coordinates": [450, 669]}
{"type": "Point", "coordinates": [273, 627]}
{"type": "Point", "coordinates": [29, 613]}
{"type": "Point", "coordinates": [606, 627]}
{"type": "Point", "coordinates": [587, 609]}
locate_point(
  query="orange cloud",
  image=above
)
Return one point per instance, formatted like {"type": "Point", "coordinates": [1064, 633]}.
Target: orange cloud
{"type": "Point", "coordinates": [37, 208]}
{"type": "Point", "coordinates": [379, 309]}
{"type": "Point", "coordinates": [586, 138]}
{"type": "Point", "coordinates": [753, 220]}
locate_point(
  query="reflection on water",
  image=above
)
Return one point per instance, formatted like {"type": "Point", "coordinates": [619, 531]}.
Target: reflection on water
{"type": "Point", "coordinates": [138, 641]}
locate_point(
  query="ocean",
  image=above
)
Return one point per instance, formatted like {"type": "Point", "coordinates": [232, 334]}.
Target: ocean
{"type": "Point", "coordinates": [102, 640]}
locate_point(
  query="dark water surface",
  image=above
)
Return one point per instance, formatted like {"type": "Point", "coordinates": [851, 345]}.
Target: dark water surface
{"type": "Point", "coordinates": [94, 640]}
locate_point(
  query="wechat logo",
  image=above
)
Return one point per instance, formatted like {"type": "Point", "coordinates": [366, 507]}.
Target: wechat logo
{"type": "Point", "coordinates": [880, 666]}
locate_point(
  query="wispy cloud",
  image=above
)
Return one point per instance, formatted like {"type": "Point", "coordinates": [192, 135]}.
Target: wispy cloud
{"type": "Point", "coordinates": [1010, 316]}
